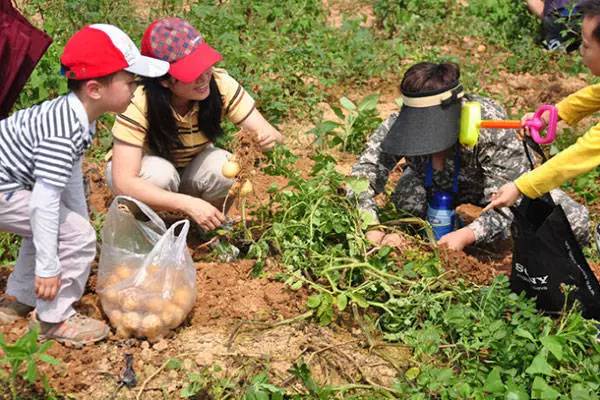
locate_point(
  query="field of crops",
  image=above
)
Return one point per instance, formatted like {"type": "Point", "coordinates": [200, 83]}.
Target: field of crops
{"type": "Point", "coordinates": [310, 309]}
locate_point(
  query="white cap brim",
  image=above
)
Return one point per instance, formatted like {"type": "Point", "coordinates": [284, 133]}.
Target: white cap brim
{"type": "Point", "coordinates": [148, 67]}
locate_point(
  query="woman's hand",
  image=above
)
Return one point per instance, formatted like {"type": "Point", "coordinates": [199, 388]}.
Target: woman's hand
{"type": "Point", "coordinates": [268, 136]}
{"type": "Point", "coordinates": [506, 196]}
{"type": "Point", "coordinates": [205, 214]}
{"type": "Point", "coordinates": [46, 288]}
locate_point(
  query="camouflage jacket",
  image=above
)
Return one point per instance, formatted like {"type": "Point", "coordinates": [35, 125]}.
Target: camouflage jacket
{"type": "Point", "coordinates": [498, 157]}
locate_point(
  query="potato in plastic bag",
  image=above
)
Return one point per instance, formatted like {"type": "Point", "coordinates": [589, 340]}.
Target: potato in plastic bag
{"type": "Point", "coordinates": [146, 277]}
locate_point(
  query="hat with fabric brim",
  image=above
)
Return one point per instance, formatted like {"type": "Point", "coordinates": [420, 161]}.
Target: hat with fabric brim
{"type": "Point", "coordinates": [427, 123]}
{"type": "Point", "coordinates": [177, 42]}
{"type": "Point", "coordinates": [190, 67]}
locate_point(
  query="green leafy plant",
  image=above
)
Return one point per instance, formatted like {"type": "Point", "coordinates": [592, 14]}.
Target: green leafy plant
{"type": "Point", "coordinates": [392, 16]}
{"type": "Point", "coordinates": [9, 247]}
{"type": "Point", "coordinates": [587, 186]}
{"type": "Point", "coordinates": [23, 357]}
{"type": "Point", "coordinates": [357, 122]}
{"type": "Point", "coordinates": [261, 389]}
{"type": "Point", "coordinates": [466, 341]}
{"type": "Point", "coordinates": [301, 371]}
{"type": "Point", "coordinates": [204, 383]}
{"type": "Point", "coordinates": [506, 25]}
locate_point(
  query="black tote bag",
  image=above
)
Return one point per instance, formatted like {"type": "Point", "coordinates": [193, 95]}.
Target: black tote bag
{"type": "Point", "coordinates": [546, 254]}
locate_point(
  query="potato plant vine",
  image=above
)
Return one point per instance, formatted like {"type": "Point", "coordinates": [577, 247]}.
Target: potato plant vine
{"type": "Point", "coordinates": [466, 341]}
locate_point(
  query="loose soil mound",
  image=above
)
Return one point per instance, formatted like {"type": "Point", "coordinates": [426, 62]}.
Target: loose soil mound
{"type": "Point", "coordinates": [228, 294]}
{"type": "Point", "coordinates": [461, 265]}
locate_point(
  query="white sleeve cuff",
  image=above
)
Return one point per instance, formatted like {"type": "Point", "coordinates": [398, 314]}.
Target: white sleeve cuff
{"type": "Point", "coordinates": [44, 209]}
{"type": "Point", "coordinates": [73, 196]}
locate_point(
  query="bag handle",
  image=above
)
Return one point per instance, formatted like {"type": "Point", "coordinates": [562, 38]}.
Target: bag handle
{"type": "Point", "coordinates": [176, 246]}
{"type": "Point", "coordinates": [529, 142]}
{"type": "Point", "coordinates": [180, 242]}
{"type": "Point", "coordinates": [147, 211]}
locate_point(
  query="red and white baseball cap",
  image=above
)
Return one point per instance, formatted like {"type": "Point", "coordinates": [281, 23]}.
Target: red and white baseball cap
{"type": "Point", "coordinates": [176, 41]}
{"type": "Point", "coordinates": [101, 49]}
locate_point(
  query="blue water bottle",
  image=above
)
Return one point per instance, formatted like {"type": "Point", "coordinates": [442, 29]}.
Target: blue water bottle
{"type": "Point", "coordinates": [440, 213]}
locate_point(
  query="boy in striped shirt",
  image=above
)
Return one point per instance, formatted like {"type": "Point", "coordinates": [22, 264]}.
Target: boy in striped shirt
{"type": "Point", "coordinates": [41, 184]}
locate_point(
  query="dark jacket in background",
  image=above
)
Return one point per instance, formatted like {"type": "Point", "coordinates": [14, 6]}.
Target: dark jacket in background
{"type": "Point", "coordinates": [21, 47]}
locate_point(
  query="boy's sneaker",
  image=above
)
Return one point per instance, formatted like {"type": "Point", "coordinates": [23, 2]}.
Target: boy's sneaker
{"type": "Point", "coordinates": [76, 331]}
{"type": "Point", "coordinates": [11, 310]}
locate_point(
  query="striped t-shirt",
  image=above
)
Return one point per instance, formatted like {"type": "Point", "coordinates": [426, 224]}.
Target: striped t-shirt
{"type": "Point", "coordinates": [132, 125]}
{"type": "Point", "coordinates": [43, 142]}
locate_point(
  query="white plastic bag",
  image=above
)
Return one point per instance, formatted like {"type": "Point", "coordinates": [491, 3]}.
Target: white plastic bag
{"type": "Point", "coordinates": [146, 277]}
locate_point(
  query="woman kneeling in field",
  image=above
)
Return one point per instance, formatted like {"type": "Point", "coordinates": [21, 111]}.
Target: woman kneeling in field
{"type": "Point", "coordinates": [163, 152]}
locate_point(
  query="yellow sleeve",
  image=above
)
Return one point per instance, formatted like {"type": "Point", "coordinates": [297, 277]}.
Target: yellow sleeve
{"type": "Point", "coordinates": [131, 125]}
{"type": "Point", "coordinates": [577, 159]}
{"type": "Point", "coordinates": [237, 103]}
{"type": "Point", "coordinates": [579, 104]}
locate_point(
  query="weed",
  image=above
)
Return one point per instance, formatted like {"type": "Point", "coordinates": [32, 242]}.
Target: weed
{"type": "Point", "coordinates": [505, 24]}
{"type": "Point", "coordinates": [586, 186]}
{"type": "Point", "coordinates": [357, 122]}
{"type": "Point", "coordinates": [9, 247]}
{"type": "Point", "coordinates": [23, 357]}
{"type": "Point", "coordinates": [261, 389]}
{"type": "Point", "coordinates": [205, 384]}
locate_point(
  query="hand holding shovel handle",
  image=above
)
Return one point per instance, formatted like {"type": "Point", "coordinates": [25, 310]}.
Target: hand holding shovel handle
{"type": "Point", "coordinates": [471, 123]}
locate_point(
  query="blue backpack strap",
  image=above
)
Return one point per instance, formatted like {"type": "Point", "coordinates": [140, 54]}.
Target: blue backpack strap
{"type": "Point", "coordinates": [456, 169]}
{"type": "Point", "coordinates": [429, 172]}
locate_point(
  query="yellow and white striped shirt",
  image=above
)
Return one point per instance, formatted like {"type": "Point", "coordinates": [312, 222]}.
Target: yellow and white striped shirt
{"type": "Point", "coordinates": [131, 126]}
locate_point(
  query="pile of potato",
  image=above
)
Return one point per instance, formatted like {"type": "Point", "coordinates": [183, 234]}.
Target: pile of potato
{"type": "Point", "coordinates": [146, 302]}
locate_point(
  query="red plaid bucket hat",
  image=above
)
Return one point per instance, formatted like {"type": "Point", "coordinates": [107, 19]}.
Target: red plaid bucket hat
{"type": "Point", "coordinates": [177, 42]}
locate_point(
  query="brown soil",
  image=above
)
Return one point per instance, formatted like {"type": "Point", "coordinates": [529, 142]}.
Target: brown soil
{"type": "Point", "coordinates": [99, 195]}
{"type": "Point", "coordinates": [461, 265]}
{"type": "Point", "coordinates": [497, 255]}
{"type": "Point", "coordinates": [524, 92]}
{"type": "Point", "coordinates": [237, 322]}
{"type": "Point", "coordinates": [227, 294]}
{"type": "Point", "coordinates": [340, 9]}
{"type": "Point", "coordinates": [596, 270]}
{"type": "Point", "coordinates": [468, 213]}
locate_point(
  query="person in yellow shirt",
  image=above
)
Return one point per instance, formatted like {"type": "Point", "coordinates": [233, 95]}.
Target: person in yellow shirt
{"type": "Point", "coordinates": [582, 156]}
{"type": "Point", "coordinates": [163, 152]}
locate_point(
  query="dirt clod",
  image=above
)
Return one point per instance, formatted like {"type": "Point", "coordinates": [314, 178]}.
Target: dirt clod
{"type": "Point", "coordinates": [461, 265]}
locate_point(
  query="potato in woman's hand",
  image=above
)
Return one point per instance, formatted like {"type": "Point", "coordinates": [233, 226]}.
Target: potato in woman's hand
{"type": "Point", "coordinates": [230, 169]}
